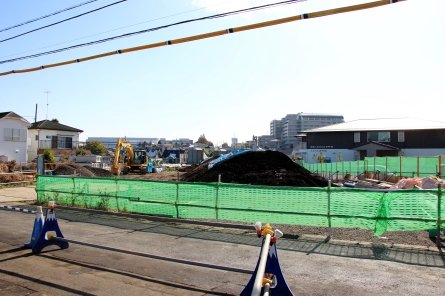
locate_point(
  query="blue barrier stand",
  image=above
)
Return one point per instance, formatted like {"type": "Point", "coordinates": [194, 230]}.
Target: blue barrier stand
{"type": "Point", "coordinates": [49, 225]}
{"type": "Point", "coordinates": [37, 228]}
{"type": "Point", "coordinates": [279, 287]}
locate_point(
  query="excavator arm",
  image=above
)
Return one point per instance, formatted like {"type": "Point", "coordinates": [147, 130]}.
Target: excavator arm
{"type": "Point", "coordinates": [129, 153]}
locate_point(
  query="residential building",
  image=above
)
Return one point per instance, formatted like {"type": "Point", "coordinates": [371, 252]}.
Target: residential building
{"type": "Point", "coordinates": [110, 142]}
{"type": "Point", "coordinates": [50, 134]}
{"type": "Point", "coordinates": [357, 139]}
{"type": "Point", "coordinates": [292, 124]}
{"type": "Point", "coordinates": [265, 142]}
{"type": "Point", "coordinates": [276, 128]}
{"type": "Point", "coordinates": [13, 137]}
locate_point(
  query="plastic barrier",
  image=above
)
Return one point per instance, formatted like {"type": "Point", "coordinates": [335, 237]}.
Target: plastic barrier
{"type": "Point", "coordinates": [338, 207]}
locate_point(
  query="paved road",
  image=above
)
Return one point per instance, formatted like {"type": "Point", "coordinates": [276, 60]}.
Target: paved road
{"type": "Point", "coordinates": [310, 266]}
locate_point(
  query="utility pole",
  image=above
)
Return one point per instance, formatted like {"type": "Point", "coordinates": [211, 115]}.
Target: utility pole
{"type": "Point", "coordinates": [47, 92]}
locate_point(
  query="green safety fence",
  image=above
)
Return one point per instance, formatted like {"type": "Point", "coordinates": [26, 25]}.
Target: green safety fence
{"type": "Point", "coordinates": [378, 211]}
{"type": "Point", "coordinates": [390, 166]}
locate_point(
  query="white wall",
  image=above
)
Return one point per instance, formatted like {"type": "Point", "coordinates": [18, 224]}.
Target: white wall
{"type": "Point", "coordinates": [10, 148]}
{"type": "Point", "coordinates": [346, 154]}
{"type": "Point", "coordinates": [423, 152]}
{"type": "Point", "coordinates": [32, 150]}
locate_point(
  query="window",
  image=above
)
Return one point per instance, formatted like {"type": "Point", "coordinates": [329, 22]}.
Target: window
{"type": "Point", "coordinates": [65, 142]}
{"type": "Point", "coordinates": [378, 136]}
{"type": "Point", "coordinates": [15, 134]}
{"type": "Point", "coordinates": [401, 136]}
{"type": "Point", "coordinates": [357, 137]}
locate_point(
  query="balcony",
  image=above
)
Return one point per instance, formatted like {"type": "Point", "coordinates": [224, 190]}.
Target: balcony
{"type": "Point", "coordinates": [60, 144]}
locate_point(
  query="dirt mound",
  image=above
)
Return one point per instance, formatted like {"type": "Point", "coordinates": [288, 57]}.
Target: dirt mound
{"type": "Point", "coordinates": [68, 169]}
{"type": "Point", "coordinates": [98, 172]}
{"type": "Point", "coordinates": [257, 168]}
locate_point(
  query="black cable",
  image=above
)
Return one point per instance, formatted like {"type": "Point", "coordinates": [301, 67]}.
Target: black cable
{"type": "Point", "coordinates": [159, 18]}
{"type": "Point", "coordinates": [48, 15]}
{"type": "Point", "coordinates": [63, 20]}
{"type": "Point", "coordinates": [149, 30]}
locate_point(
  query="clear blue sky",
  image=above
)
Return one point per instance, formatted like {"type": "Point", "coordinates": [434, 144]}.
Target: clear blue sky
{"type": "Point", "coordinates": [381, 62]}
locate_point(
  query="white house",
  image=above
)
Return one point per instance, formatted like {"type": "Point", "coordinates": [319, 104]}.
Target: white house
{"type": "Point", "coordinates": [50, 134]}
{"type": "Point", "coordinates": [13, 137]}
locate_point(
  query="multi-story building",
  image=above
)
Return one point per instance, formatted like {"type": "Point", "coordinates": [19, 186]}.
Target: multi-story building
{"type": "Point", "coordinates": [289, 126]}
{"type": "Point", "coordinates": [276, 127]}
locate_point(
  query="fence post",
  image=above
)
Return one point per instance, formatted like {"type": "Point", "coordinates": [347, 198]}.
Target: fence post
{"type": "Point", "coordinates": [216, 199]}
{"type": "Point", "coordinates": [439, 220]}
{"type": "Point", "coordinates": [418, 166]}
{"type": "Point", "coordinates": [177, 199]}
{"type": "Point", "coordinates": [117, 190]}
{"type": "Point", "coordinates": [440, 166]}
{"type": "Point", "coordinates": [400, 176]}
{"type": "Point", "coordinates": [74, 186]}
{"type": "Point", "coordinates": [329, 210]}
{"type": "Point", "coordinates": [343, 169]}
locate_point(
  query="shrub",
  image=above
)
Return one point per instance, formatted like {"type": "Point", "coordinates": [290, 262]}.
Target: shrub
{"type": "Point", "coordinates": [96, 147]}
{"type": "Point", "coordinates": [48, 155]}
{"type": "Point", "coordinates": [3, 168]}
{"type": "Point", "coordinates": [81, 151]}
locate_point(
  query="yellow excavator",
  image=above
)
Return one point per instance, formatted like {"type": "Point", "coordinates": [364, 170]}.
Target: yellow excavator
{"type": "Point", "coordinates": [134, 160]}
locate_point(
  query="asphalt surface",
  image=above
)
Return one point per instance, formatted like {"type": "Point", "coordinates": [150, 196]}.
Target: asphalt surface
{"type": "Point", "coordinates": [310, 266]}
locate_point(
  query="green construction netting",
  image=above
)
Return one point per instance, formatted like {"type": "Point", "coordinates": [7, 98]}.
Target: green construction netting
{"type": "Point", "coordinates": [377, 211]}
{"type": "Point", "coordinates": [391, 166]}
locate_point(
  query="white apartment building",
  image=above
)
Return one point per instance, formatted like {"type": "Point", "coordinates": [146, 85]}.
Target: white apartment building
{"type": "Point", "coordinates": [292, 124]}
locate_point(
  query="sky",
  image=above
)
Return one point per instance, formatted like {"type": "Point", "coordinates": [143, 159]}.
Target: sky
{"type": "Point", "coordinates": [384, 62]}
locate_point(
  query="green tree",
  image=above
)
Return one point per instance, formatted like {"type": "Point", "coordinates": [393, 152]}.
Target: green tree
{"type": "Point", "coordinates": [96, 147]}
{"type": "Point", "coordinates": [48, 155]}
{"type": "Point", "coordinates": [81, 151]}
{"type": "Point", "coordinates": [202, 140]}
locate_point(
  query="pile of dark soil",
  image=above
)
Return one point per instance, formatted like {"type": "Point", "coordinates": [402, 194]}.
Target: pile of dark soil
{"type": "Point", "coordinates": [86, 171]}
{"type": "Point", "coordinates": [98, 172]}
{"type": "Point", "coordinates": [257, 168]}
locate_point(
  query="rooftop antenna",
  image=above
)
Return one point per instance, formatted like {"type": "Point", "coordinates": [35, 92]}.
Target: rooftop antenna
{"type": "Point", "coordinates": [47, 92]}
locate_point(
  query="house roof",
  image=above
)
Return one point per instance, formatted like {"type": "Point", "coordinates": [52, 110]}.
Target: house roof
{"type": "Point", "coordinates": [11, 114]}
{"type": "Point", "coordinates": [51, 125]}
{"type": "Point", "coordinates": [381, 124]}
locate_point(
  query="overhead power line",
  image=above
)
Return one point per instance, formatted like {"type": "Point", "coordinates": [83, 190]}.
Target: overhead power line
{"type": "Point", "coordinates": [132, 25]}
{"type": "Point", "coordinates": [53, 24]}
{"type": "Point", "coordinates": [48, 15]}
{"type": "Point", "coordinates": [150, 30]}
{"type": "Point", "coordinates": [218, 33]}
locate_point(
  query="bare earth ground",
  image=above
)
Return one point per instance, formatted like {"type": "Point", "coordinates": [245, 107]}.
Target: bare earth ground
{"type": "Point", "coordinates": [355, 235]}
